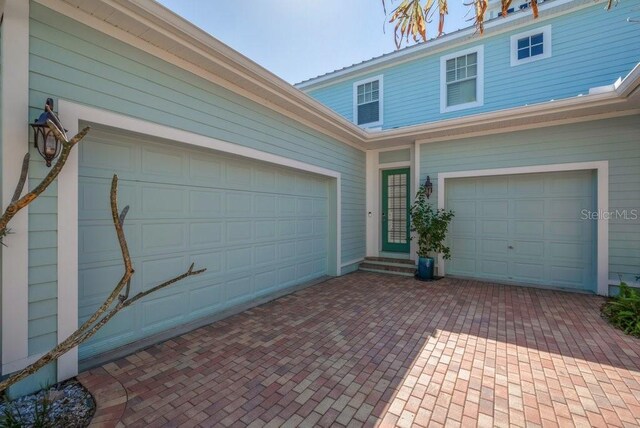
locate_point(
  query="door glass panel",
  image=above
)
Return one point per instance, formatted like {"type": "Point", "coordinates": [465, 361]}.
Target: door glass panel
{"type": "Point", "coordinates": [397, 214]}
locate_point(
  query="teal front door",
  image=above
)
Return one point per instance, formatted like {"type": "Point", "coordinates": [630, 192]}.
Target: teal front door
{"type": "Point", "coordinates": [395, 210]}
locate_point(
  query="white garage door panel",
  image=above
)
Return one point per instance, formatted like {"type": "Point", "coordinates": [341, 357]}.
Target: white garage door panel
{"type": "Point", "coordinates": [255, 227]}
{"type": "Point", "coordinates": [524, 229]}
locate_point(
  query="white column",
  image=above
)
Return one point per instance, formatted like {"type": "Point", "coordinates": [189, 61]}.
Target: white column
{"type": "Point", "coordinates": [603, 229]}
{"type": "Point", "coordinates": [372, 203]}
{"type": "Point", "coordinates": [415, 184]}
{"type": "Point", "coordinates": [68, 246]}
{"type": "Point", "coordinates": [15, 138]}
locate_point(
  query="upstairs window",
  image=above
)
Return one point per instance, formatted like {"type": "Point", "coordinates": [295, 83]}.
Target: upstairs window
{"type": "Point", "coordinates": [462, 73]}
{"type": "Point", "coordinates": [461, 82]}
{"type": "Point", "coordinates": [367, 96]}
{"type": "Point", "coordinates": [531, 46]}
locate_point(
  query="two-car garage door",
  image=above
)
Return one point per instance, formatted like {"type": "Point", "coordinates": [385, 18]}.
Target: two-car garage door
{"type": "Point", "coordinates": [525, 228]}
{"type": "Point", "coordinates": [255, 227]}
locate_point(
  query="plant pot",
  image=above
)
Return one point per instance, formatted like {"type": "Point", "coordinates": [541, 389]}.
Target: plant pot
{"type": "Point", "coordinates": [425, 268]}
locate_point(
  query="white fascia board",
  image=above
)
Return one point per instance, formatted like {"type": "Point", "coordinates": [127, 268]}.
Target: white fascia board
{"type": "Point", "coordinates": [630, 83]}
{"type": "Point", "coordinates": [498, 116]}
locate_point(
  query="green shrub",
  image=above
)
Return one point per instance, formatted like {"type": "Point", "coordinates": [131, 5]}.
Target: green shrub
{"type": "Point", "coordinates": [430, 225]}
{"type": "Point", "coordinates": [623, 311]}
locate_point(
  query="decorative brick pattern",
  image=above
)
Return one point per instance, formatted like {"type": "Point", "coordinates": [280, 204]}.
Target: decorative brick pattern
{"type": "Point", "coordinates": [109, 395]}
{"type": "Point", "coordinates": [379, 350]}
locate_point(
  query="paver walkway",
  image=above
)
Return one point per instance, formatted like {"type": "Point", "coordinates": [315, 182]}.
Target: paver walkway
{"type": "Point", "coordinates": [368, 349]}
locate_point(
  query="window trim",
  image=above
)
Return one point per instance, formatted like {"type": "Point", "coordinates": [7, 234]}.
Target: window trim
{"type": "Point", "coordinates": [479, 50]}
{"type": "Point", "coordinates": [380, 101]}
{"type": "Point", "coordinates": [546, 45]}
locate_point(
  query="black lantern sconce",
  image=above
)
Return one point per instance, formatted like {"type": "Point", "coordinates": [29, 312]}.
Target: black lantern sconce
{"type": "Point", "coordinates": [44, 139]}
{"type": "Point", "coordinates": [428, 187]}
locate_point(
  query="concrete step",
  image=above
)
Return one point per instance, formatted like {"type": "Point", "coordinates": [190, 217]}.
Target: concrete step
{"type": "Point", "coordinates": [390, 260]}
{"type": "Point", "coordinates": [387, 272]}
{"type": "Point", "coordinates": [382, 264]}
{"type": "Point", "coordinates": [388, 268]}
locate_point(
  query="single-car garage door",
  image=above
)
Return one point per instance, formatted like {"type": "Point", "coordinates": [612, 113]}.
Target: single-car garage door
{"type": "Point", "coordinates": [256, 227]}
{"type": "Point", "coordinates": [525, 228]}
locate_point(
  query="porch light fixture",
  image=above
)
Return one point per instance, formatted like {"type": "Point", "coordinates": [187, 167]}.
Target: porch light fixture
{"type": "Point", "coordinates": [428, 187]}
{"type": "Point", "coordinates": [44, 139]}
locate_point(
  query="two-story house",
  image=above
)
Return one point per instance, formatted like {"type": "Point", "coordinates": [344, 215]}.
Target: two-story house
{"type": "Point", "coordinates": [504, 127]}
{"type": "Point", "coordinates": [531, 133]}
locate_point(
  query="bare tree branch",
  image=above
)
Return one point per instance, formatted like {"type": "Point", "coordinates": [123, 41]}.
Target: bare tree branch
{"type": "Point", "coordinates": [23, 178]}
{"type": "Point", "coordinates": [128, 266]}
{"type": "Point", "coordinates": [187, 274]}
{"type": "Point", "coordinates": [80, 336]}
{"type": "Point", "coordinates": [95, 322]}
{"type": "Point", "coordinates": [19, 204]}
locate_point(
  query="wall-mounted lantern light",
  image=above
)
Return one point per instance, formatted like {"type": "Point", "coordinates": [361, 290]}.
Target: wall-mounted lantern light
{"type": "Point", "coordinates": [428, 187]}
{"type": "Point", "coordinates": [44, 139]}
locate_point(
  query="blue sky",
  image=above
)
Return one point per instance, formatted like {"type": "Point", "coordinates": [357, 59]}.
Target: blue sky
{"type": "Point", "coordinates": [299, 39]}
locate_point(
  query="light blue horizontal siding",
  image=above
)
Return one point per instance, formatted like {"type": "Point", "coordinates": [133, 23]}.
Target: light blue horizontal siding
{"type": "Point", "coordinates": [43, 257]}
{"type": "Point", "coordinates": [583, 57]}
{"type": "Point", "coordinates": [74, 62]}
{"type": "Point", "coordinates": [614, 140]}
{"type": "Point", "coordinates": [339, 97]}
{"type": "Point", "coordinates": [403, 155]}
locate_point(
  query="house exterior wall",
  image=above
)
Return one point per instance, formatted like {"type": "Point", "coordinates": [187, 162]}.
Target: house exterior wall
{"type": "Point", "coordinates": [70, 61]}
{"type": "Point", "coordinates": [613, 140]}
{"type": "Point", "coordinates": [583, 57]}
{"type": "Point", "coordinates": [1, 153]}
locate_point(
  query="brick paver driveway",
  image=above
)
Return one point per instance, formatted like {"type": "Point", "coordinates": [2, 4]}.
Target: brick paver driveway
{"type": "Point", "coordinates": [369, 349]}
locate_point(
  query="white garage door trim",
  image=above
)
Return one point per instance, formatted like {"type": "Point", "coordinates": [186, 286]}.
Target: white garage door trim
{"type": "Point", "coordinates": [602, 174]}
{"type": "Point", "coordinates": [71, 114]}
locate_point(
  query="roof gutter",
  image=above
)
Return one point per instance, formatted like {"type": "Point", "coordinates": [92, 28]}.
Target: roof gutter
{"type": "Point", "coordinates": [629, 85]}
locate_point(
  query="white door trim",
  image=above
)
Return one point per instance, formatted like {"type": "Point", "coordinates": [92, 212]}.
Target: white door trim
{"type": "Point", "coordinates": [15, 143]}
{"type": "Point", "coordinates": [394, 165]}
{"type": "Point", "coordinates": [373, 184]}
{"type": "Point", "coordinates": [71, 114]}
{"type": "Point", "coordinates": [602, 172]}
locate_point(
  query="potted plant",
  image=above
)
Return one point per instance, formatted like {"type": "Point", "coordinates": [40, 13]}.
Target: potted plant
{"type": "Point", "coordinates": [430, 226]}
